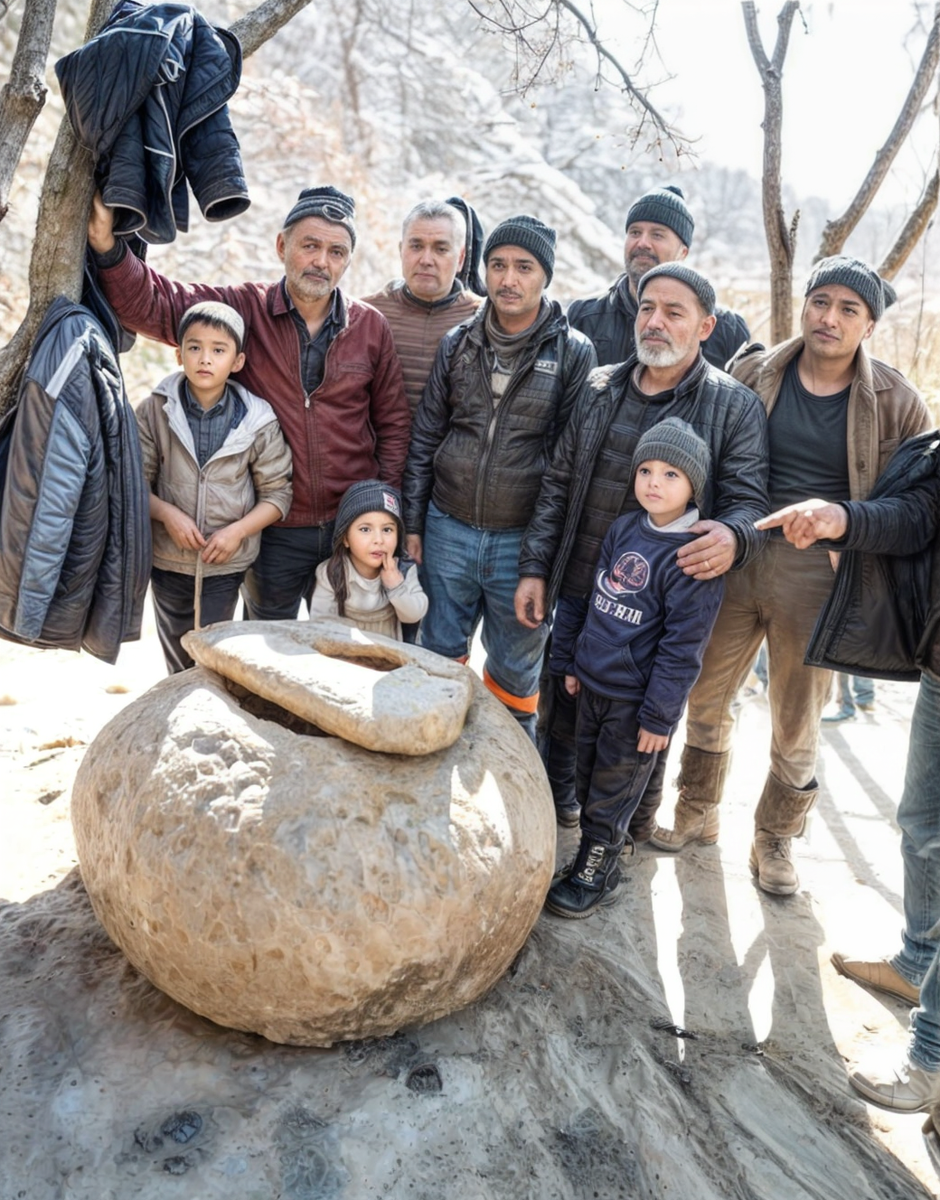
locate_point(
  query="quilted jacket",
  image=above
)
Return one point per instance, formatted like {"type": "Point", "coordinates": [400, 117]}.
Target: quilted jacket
{"type": "Point", "coordinates": [74, 505]}
{"type": "Point", "coordinates": [147, 97]}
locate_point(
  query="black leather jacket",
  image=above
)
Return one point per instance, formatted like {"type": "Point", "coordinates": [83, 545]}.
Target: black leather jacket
{"type": "Point", "coordinates": [147, 97]}
{"type": "Point", "coordinates": [484, 464]}
{"type": "Point", "coordinates": [725, 413]}
{"type": "Point", "coordinates": [74, 505]}
{"type": "Point", "coordinates": [609, 321]}
{"type": "Point", "coordinates": [883, 616]}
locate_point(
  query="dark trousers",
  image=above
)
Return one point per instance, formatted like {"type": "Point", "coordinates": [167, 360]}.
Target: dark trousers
{"type": "Point", "coordinates": [284, 572]}
{"type": "Point", "coordinates": [611, 775]}
{"type": "Point", "coordinates": [174, 605]}
{"type": "Point", "coordinates": [557, 744]}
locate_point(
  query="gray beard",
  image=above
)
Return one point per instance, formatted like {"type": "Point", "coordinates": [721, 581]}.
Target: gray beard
{"type": "Point", "coordinates": [665, 356]}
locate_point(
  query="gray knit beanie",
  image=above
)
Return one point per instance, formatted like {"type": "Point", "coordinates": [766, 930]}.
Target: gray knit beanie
{"type": "Point", "coordinates": [664, 206]}
{"type": "Point", "coordinates": [329, 203]}
{"type": "Point", "coordinates": [675, 442]}
{"type": "Point", "coordinates": [677, 270]}
{"type": "Point", "coordinates": [852, 273]}
{"type": "Point", "coordinates": [218, 316]}
{"type": "Point", "coordinates": [369, 495]}
{"type": "Point", "coordinates": [531, 235]}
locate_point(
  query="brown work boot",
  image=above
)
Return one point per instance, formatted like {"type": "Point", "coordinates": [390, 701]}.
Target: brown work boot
{"type": "Point", "coordinates": [701, 780]}
{"type": "Point", "coordinates": [771, 862]}
{"type": "Point", "coordinates": [780, 816]}
{"type": "Point", "coordinates": [879, 975]}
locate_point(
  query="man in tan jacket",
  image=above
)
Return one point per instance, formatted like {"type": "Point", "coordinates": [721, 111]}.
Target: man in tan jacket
{"type": "Point", "coordinates": [835, 417]}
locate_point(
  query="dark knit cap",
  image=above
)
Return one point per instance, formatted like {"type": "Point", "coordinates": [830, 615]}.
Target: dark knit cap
{"type": "Point", "coordinates": [329, 203]}
{"type": "Point", "coordinates": [675, 442]}
{"type": "Point", "coordinates": [218, 316]}
{"type": "Point", "coordinates": [531, 235]}
{"type": "Point", "coordinates": [852, 273]}
{"type": "Point", "coordinates": [677, 270]}
{"type": "Point", "coordinates": [664, 206]}
{"type": "Point", "coordinates": [369, 495]}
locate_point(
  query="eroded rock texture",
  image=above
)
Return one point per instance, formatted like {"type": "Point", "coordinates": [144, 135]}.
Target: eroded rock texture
{"type": "Point", "coordinates": [297, 885]}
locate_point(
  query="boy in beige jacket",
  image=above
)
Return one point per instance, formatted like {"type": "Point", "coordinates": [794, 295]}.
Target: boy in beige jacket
{"type": "Point", "coordinates": [219, 472]}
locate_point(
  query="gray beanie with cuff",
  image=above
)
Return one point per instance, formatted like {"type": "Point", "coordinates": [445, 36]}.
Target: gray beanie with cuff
{"type": "Point", "coordinates": [677, 270]}
{"type": "Point", "coordinates": [530, 234]}
{"type": "Point", "coordinates": [858, 277]}
{"type": "Point", "coordinates": [675, 442]}
{"type": "Point", "coordinates": [664, 206]}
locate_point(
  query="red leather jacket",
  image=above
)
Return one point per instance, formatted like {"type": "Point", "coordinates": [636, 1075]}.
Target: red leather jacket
{"type": "Point", "coordinates": [354, 426]}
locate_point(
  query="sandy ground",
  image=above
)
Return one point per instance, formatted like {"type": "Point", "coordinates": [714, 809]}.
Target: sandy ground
{"type": "Point", "coordinates": [568, 1080]}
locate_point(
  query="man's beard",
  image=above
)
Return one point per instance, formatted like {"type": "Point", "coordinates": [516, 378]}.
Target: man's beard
{"type": "Point", "coordinates": [659, 356]}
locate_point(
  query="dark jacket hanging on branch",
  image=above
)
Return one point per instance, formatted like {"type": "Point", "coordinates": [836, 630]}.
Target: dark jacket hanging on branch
{"type": "Point", "coordinates": [147, 97]}
{"type": "Point", "coordinates": [74, 504]}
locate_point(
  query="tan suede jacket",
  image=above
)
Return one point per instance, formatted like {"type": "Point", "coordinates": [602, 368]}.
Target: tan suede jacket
{"type": "Point", "coordinates": [884, 408]}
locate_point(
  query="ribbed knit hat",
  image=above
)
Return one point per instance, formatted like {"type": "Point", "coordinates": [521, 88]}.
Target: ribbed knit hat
{"type": "Point", "coordinates": [329, 203]}
{"type": "Point", "coordinates": [675, 442]}
{"type": "Point", "coordinates": [677, 270]}
{"type": "Point", "coordinates": [862, 279]}
{"type": "Point", "coordinates": [531, 235]}
{"type": "Point", "coordinates": [369, 495]}
{"type": "Point", "coordinates": [216, 314]}
{"type": "Point", "coordinates": [664, 206]}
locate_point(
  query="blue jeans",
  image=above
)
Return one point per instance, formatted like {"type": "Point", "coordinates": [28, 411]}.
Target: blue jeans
{"type": "Point", "coordinates": [471, 575]}
{"type": "Point", "coordinates": [855, 689]}
{"type": "Point", "coordinates": [284, 572]}
{"type": "Point", "coordinates": [919, 818]}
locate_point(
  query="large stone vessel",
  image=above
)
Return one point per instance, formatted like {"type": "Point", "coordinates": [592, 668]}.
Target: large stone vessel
{"type": "Point", "coordinates": [257, 861]}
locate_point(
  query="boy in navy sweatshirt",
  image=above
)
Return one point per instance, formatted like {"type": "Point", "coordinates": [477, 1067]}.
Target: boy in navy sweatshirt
{"type": "Point", "coordinates": [631, 654]}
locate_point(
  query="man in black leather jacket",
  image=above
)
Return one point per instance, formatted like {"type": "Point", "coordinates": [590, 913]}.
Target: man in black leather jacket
{"type": "Point", "coordinates": [499, 395]}
{"type": "Point", "coordinates": [588, 485]}
{"type": "Point", "coordinates": [659, 229]}
{"type": "Point", "coordinates": [901, 524]}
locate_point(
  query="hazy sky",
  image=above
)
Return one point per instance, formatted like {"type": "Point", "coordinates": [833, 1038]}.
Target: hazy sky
{"type": "Point", "coordinates": [845, 77]}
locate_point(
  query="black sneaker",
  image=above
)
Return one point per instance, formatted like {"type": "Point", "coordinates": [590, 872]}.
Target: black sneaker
{"type": "Point", "coordinates": [589, 883]}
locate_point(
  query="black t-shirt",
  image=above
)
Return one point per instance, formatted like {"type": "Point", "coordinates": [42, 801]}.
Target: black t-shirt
{"type": "Point", "coordinates": [808, 447]}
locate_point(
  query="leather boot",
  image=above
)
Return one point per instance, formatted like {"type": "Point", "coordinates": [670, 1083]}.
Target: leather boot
{"type": "Point", "coordinates": [781, 815]}
{"type": "Point", "coordinates": [701, 781]}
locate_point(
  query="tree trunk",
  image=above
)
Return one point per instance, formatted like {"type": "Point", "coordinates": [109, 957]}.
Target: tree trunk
{"type": "Point", "coordinates": [22, 98]}
{"type": "Point", "coordinates": [58, 255]}
{"type": "Point", "coordinates": [781, 240]}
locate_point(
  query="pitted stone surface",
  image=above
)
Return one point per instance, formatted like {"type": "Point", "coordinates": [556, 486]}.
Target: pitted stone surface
{"type": "Point", "coordinates": [368, 689]}
{"type": "Point", "coordinates": [303, 887]}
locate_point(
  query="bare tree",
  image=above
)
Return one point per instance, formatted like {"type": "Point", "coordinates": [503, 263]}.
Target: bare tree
{"type": "Point", "coordinates": [781, 233]}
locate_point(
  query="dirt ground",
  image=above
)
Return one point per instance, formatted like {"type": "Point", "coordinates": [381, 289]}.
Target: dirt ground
{"type": "Point", "coordinates": [571, 1079]}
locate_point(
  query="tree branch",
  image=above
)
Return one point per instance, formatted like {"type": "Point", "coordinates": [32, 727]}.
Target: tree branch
{"type": "Point", "coordinates": [781, 241]}
{"type": "Point", "coordinates": [914, 228]}
{"type": "Point", "coordinates": [837, 231]}
{"type": "Point", "coordinates": [262, 23]}
{"type": "Point", "coordinates": [23, 96]}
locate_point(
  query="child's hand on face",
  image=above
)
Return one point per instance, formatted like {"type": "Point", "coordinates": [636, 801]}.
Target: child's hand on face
{"type": "Point", "coordinates": [182, 529]}
{"type": "Point", "coordinates": [222, 545]}
{"type": "Point", "coordinates": [390, 575]}
{"type": "Point", "coordinates": [649, 743]}
{"type": "Point", "coordinates": [572, 685]}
